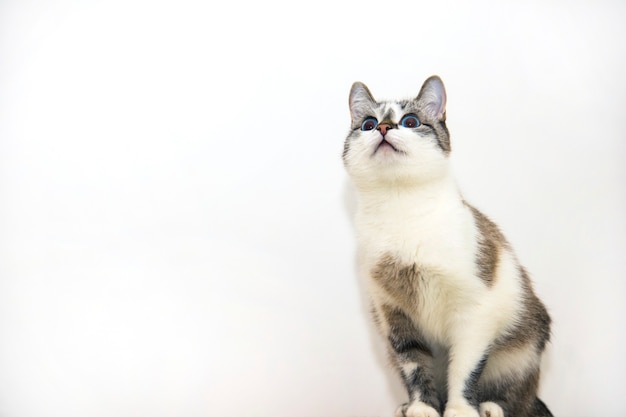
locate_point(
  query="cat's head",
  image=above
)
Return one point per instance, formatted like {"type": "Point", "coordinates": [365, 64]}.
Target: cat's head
{"type": "Point", "coordinates": [397, 142]}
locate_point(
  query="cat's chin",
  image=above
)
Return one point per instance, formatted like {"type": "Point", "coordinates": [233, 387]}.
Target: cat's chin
{"type": "Point", "coordinates": [385, 147]}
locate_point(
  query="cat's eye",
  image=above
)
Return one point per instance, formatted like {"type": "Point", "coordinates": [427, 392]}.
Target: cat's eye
{"type": "Point", "coordinates": [369, 124]}
{"type": "Point", "coordinates": [410, 121]}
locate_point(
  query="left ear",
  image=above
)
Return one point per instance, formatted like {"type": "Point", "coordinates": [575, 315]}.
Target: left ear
{"type": "Point", "coordinates": [361, 101]}
{"type": "Point", "coordinates": [433, 98]}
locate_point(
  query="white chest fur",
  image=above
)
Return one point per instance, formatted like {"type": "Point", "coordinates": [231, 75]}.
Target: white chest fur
{"type": "Point", "coordinates": [432, 230]}
{"type": "Point", "coordinates": [429, 226]}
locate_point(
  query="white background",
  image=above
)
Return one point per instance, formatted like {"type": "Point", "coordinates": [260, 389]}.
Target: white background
{"type": "Point", "coordinates": [175, 220]}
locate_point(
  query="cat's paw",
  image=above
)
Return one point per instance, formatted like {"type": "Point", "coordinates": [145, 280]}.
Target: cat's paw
{"type": "Point", "coordinates": [416, 409]}
{"type": "Point", "coordinates": [490, 409]}
{"type": "Point", "coordinates": [461, 410]}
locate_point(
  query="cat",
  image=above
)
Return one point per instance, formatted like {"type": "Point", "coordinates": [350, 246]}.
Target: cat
{"type": "Point", "coordinates": [463, 324]}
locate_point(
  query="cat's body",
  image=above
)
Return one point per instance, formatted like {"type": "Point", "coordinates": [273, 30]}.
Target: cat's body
{"type": "Point", "coordinates": [464, 327]}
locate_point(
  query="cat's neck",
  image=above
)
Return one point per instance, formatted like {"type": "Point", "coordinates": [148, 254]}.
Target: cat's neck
{"type": "Point", "coordinates": [434, 194]}
{"type": "Point", "coordinates": [399, 220]}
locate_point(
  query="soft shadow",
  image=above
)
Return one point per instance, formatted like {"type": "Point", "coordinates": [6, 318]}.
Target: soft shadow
{"type": "Point", "coordinates": [377, 343]}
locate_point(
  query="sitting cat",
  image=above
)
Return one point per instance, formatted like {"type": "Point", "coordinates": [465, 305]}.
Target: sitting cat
{"type": "Point", "coordinates": [465, 329]}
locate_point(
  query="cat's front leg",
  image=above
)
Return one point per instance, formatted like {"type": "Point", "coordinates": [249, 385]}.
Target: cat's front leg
{"type": "Point", "coordinates": [415, 363]}
{"type": "Point", "coordinates": [468, 357]}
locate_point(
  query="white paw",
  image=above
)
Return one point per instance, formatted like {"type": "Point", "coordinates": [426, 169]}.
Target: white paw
{"type": "Point", "coordinates": [461, 411]}
{"type": "Point", "coordinates": [416, 409]}
{"type": "Point", "coordinates": [490, 409]}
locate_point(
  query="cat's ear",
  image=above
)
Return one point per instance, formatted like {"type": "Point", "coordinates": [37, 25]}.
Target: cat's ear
{"type": "Point", "coordinates": [361, 101]}
{"type": "Point", "coordinates": [433, 98]}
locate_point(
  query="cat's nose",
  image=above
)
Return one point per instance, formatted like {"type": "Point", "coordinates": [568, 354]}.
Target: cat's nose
{"type": "Point", "coordinates": [383, 127]}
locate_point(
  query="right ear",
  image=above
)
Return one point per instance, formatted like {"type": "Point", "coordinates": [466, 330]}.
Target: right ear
{"type": "Point", "coordinates": [433, 97]}
{"type": "Point", "coordinates": [361, 102]}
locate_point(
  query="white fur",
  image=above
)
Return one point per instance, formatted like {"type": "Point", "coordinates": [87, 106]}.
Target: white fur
{"type": "Point", "coordinates": [511, 363]}
{"type": "Point", "coordinates": [490, 409]}
{"type": "Point", "coordinates": [408, 368]}
{"type": "Point", "coordinates": [417, 409]}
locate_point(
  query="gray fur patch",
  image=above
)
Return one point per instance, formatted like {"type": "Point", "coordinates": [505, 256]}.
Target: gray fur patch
{"type": "Point", "coordinates": [403, 334]}
{"type": "Point", "coordinates": [491, 241]}
{"type": "Point", "coordinates": [438, 127]}
{"type": "Point", "coordinates": [471, 384]}
{"type": "Point", "coordinates": [516, 397]}
{"type": "Point", "coordinates": [409, 348]}
{"type": "Point", "coordinates": [534, 324]}
{"type": "Point", "coordinates": [389, 117]}
{"type": "Point", "coordinates": [443, 137]}
{"type": "Point", "coordinates": [400, 281]}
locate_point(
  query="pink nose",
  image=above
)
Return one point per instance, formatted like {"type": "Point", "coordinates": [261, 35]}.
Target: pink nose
{"type": "Point", "coordinates": [383, 127]}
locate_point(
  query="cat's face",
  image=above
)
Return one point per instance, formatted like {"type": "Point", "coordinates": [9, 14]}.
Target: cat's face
{"type": "Point", "coordinates": [397, 141]}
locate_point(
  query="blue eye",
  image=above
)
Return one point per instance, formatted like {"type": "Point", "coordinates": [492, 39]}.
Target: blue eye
{"type": "Point", "coordinates": [410, 121]}
{"type": "Point", "coordinates": [369, 124]}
